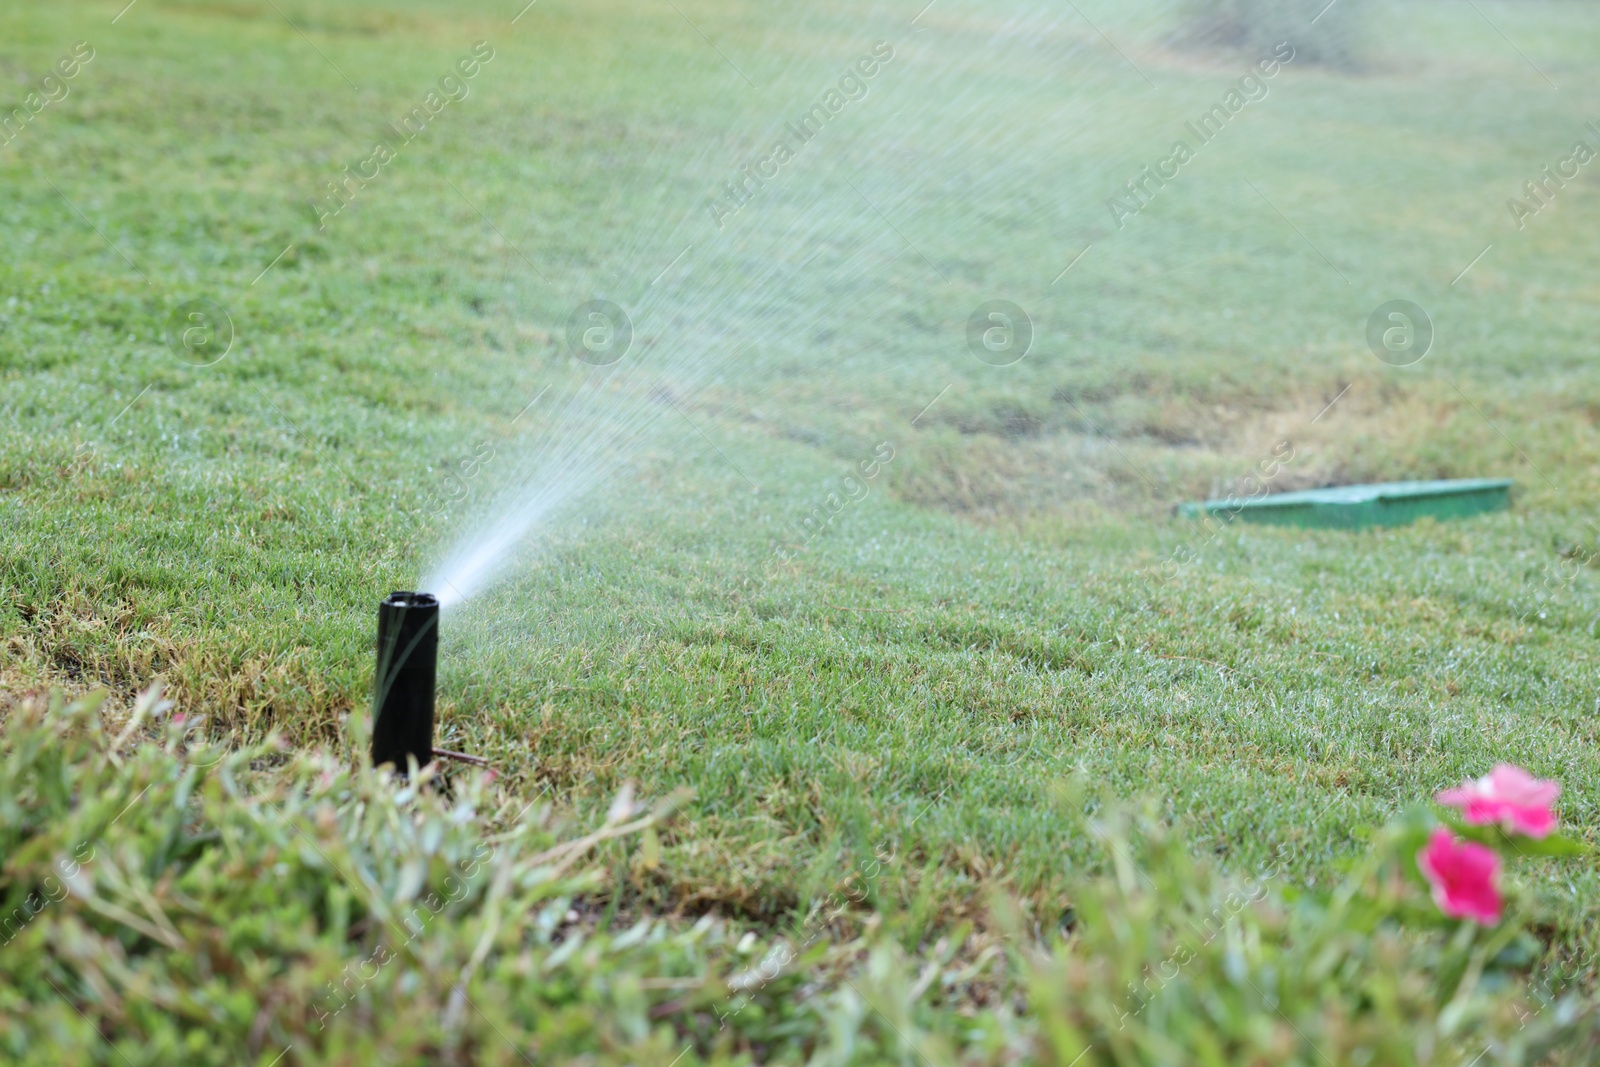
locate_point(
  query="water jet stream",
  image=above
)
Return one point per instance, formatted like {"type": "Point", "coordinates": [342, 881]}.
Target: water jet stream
{"type": "Point", "coordinates": [916, 184]}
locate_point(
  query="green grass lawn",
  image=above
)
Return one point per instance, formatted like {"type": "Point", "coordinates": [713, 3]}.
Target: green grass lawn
{"type": "Point", "coordinates": [1010, 602]}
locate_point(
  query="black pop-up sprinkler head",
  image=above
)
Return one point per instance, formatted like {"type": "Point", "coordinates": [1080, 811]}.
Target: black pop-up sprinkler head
{"type": "Point", "coordinates": [408, 655]}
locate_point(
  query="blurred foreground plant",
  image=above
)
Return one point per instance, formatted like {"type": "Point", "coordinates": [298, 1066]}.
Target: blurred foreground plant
{"type": "Point", "coordinates": [167, 901]}
{"type": "Point", "coordinates": [1174, 963]}
{"type": "Point", "coordinates": [199, 905]}
{"type": "Point", "coordinates": [170, 902]}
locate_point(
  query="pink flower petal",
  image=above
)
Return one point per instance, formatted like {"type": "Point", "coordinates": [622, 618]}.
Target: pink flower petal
{"type": "Point", "coordinates": [1509, 796]}
{"type": "Point", "coordinates": [1517, 786]}
{"type": "Point", "coordinates": [1464, 877]}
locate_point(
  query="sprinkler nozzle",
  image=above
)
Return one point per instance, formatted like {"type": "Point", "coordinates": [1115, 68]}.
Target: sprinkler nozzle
{"type": "Point", "coordinates": [408, 655]}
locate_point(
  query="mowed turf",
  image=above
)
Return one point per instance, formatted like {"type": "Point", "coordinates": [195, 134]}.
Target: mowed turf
{"type": "Point", "coordinates": [1011, 599]}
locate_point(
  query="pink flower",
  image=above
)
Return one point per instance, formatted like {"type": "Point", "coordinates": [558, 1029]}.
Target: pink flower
{"type": "Point", "coordinates": [1510, 796]}
{"type": "Point", "coordinates": [1464, 877]}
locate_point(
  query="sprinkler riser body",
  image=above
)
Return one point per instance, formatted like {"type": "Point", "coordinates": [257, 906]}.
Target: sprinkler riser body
{"type": "Point", "coordinates": [408, 657]}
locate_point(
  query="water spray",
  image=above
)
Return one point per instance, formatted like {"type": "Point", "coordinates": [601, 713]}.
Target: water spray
{"type": "Point", "coordinates": [408, 659]}
{"type": "Point", "coordinates": [782, 262]}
